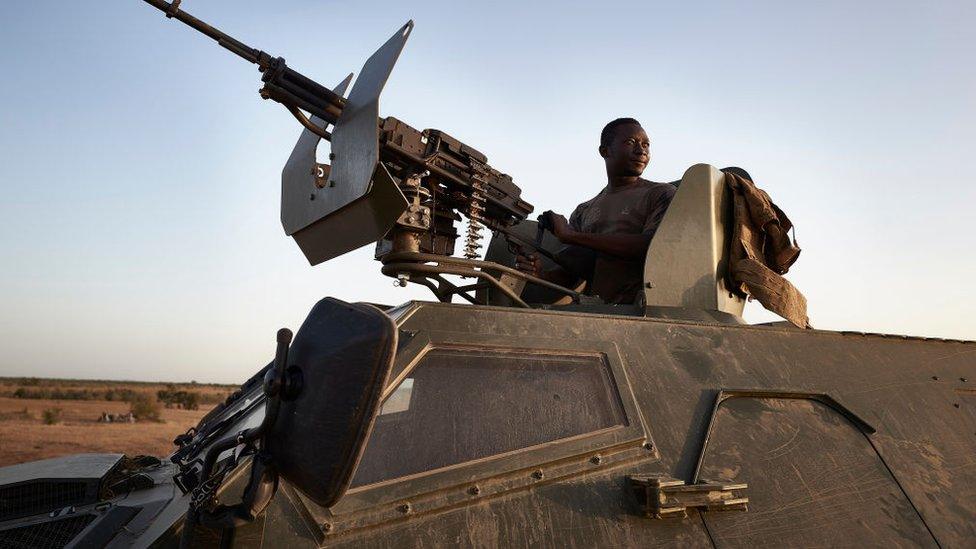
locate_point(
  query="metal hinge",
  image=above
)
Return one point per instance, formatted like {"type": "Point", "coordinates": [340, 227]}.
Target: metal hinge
{"type": "Point", "coordinates": [666, 497]}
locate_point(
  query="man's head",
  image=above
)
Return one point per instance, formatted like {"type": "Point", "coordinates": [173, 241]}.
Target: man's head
{"type": "Point", "coordinates": [625, 147]}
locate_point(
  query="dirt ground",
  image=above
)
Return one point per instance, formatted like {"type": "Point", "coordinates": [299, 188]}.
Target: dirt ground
{"type": "Point", "coordinates": [25, 437]}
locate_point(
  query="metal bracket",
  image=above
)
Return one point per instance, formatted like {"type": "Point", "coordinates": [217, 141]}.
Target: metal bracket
{"type": "Point", "coordinates": [665, 497]}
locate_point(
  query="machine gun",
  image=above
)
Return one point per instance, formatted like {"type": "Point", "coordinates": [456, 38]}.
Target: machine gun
{"type": "Point", "coordinates": [386, 181]}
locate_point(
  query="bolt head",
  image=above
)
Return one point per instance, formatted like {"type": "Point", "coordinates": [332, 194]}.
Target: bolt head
{"type": "Point", "coordinates": [404, 508]}
{"type": "Point", "coordinates": [538, 474]}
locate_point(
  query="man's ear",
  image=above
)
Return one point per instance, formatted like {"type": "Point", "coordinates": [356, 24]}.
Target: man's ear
{"type": "Point", "coordinates": [604, 151]}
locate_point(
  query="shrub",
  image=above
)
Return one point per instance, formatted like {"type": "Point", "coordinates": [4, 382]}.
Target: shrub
{"type": "Point", "coordinates": [51, 416]}
{"type": "Point", "coordinates": [171, 397]}
{"type": "Point", "coordinates": [144, 407]}
{"type": "Point", "coordinates": [121, 394]}
{"type": "Point", "coordinates": [191, 400]}
{"type": "Point", "coordinates": [57, 393]}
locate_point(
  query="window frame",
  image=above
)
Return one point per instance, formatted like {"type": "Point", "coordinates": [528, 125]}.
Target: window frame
{"type": "Point", "coordinates": [626, 441]}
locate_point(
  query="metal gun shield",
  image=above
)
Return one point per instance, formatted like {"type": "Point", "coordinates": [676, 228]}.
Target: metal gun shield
{"type": "Point", "coordinates": [361, 200]}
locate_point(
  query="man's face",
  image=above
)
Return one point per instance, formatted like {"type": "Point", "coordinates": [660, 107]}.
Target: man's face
{"type": "Point", "coordinates": [629, 151]}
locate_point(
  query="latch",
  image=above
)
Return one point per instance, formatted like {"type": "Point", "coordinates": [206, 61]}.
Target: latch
{"type": "Point", "coordinates": [666, 497]}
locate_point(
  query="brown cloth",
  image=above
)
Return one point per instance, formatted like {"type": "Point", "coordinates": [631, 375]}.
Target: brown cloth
{"type": "Point", "coordinates": [761, 252]}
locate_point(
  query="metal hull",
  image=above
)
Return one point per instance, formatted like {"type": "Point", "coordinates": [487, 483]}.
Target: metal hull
{"type": "Point", "coordinates": [842, 438]}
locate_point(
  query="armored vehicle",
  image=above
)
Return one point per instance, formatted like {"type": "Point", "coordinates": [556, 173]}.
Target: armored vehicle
{"type": "Point", "coordinates": [531, 415]}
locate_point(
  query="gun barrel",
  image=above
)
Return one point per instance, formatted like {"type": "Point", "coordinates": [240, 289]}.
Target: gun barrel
{"type": "Point", "coordinates": [243, 50]}
{"type": "Point", "coordinates": [281, 83]}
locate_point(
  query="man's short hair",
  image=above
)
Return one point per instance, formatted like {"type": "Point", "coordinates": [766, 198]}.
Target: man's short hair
{"type": "Point", "coordinates": [606, 136]}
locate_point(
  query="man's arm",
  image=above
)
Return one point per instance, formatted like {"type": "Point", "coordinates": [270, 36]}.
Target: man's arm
{"type": "Point", "coordinates": [626, 246]}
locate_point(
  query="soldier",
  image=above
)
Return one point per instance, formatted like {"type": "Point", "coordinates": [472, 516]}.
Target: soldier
{"type": "Point", "coordinates": [607, 236]}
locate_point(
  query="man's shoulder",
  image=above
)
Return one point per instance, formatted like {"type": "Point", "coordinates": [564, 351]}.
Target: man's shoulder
{"type": "Point", "coordinates": [643, 187]}
{"type": "Point", "coordinates": [657, 193]}
{"type": "Point", "coordinates": [656, 187]}
{"type": "Point", "coordinates": [587, 203]}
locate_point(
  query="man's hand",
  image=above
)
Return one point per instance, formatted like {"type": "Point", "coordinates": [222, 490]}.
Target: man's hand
{"type": "Point", "coordinates": [560, 227]}
{"type": "Point", "coordinates": [528, 263]}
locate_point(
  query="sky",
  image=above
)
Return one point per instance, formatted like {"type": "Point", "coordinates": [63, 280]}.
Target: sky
{"type": "Point", "coordinates": [140, 170]}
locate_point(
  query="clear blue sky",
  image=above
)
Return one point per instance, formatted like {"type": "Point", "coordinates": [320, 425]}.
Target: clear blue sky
{"type": "Point", "coordinates": [139, 169]}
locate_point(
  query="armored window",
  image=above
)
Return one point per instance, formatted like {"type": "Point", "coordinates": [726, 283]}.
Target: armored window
{"type": "Point", "coordinates": [807, 465]}
{"type": "Point", "coordinates": [459, 406]}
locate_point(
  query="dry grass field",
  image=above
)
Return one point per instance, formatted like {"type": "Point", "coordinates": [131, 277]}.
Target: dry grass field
{"type": "Point", "coordinates": [31, 428]}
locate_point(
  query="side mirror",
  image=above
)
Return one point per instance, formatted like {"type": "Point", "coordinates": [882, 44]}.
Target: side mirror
{"type": "Point", "coordinates": [323, 394]}
{"type": "Point", "coordinates": [337, 368]}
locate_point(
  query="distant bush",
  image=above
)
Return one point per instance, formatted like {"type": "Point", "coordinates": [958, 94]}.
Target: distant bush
{"type": "Point", "coordinates": [121, 395]}
{"type": "Point", "coordinates": [186, 396]}
{"type": "Point", "coordinates": [53, 393]}
{"type": "Point", "coordinates": [57, 394]}
{"type": "Point", "coordinates": [173, 398]}
{"type": "Point", "coordinates": [144, 407]}
{"type": "Point", "coordinates": [191, 401]}
{"type": "Point", "coordinates": [51, 416]}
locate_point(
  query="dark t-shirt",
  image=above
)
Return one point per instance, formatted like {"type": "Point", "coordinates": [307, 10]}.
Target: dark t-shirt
{"type": "Point", "coordinates": [637, 209]}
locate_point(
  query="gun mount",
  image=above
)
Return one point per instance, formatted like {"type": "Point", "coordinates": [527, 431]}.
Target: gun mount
{"type": "Point", "coordinates": [386, 182]}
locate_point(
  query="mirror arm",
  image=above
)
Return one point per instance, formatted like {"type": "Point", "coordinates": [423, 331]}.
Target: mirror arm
{"type": "Point", "coordinates": [263, 482]}
{"type": "Point", "coordinates": [261, 488]}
